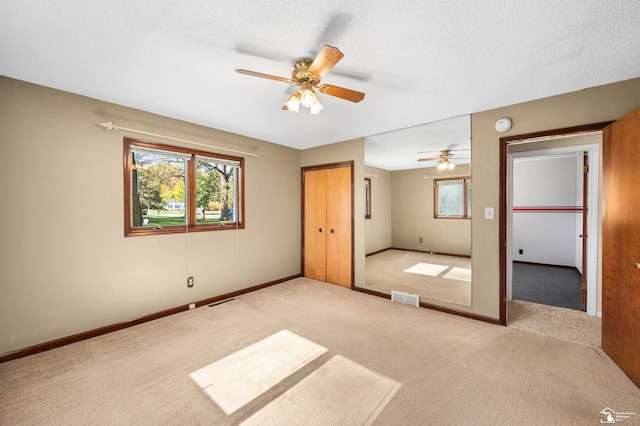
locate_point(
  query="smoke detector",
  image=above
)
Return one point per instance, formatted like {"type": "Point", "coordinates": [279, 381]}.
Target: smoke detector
{"type": "Point", "coordinates": [503, 125]}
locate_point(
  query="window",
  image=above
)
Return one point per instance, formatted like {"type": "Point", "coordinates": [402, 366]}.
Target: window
{"type": "Point", "coordinates": [367, 198]}
{"type": "Point", "coordinates": [171, 190]}
{"type": "Point", "coordinates": [452, 198]}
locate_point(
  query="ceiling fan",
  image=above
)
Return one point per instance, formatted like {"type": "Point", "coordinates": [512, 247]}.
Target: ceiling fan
{"type": "Point", "coordinates": [307, 74]}
{"type": "Point", "coordinates": [444, 159]}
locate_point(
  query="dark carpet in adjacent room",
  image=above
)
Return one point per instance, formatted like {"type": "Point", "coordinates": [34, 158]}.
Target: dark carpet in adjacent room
{"type": "Point", "coordinates": [547, 284]}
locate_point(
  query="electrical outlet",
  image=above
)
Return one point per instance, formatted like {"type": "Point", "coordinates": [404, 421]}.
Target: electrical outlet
{"type": "Point", "coordinates": [190, 282]}
{"type": "Point", "coordinates": [192, 306]}
{"type": "Point", "coordinates": [420, 240]}
{"type": "Point", "coordinates": [520, 251]}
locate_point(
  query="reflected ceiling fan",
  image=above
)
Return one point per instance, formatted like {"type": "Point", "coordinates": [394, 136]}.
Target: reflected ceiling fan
{"type": "Point", "coordinates": [307, 75]}
{"type": "Point", "coordinates": [444, 159]}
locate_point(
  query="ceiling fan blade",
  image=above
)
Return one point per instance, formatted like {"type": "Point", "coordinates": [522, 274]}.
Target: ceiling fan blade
{"type": "Point", "coordinates": [341, 92]}
{"type": "Point", "coordinates": [261, 75]}
{"type": "Point", "coordinates": [326, 59]}
{"type": "Point", "coordinates": [429, 159]}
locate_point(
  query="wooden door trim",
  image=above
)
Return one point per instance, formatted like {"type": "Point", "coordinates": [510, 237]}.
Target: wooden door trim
{"type": "Point", "coordinates": [327, 166]}
{"type": "Point", "coordinates": [502, 210]}
{"type": "Point", "coordinates": [585, 227]}
{"type": "Point", "coordinates": [305, 169]}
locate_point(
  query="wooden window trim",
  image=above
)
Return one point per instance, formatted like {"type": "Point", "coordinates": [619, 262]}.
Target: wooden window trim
{"type": "Point", "coordinates": [191, 225]}
{"type": "Point", "coordinates": [367, 212]}
{"type": "Point", "coordinates": [464, 216]}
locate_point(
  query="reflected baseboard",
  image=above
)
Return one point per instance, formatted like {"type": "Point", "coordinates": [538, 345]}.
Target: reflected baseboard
{"type": "Point", "coordinates": [430, 252]}
{"type": "Point", "coordinates": [378, 251]}
{"type": "Point", "coordinates": [417, 251]}
{"type": "Point", "coordinates": [434, 307]}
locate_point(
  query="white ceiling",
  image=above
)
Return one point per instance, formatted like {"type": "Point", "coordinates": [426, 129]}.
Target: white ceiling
{"type": "Point", "coordinates": [418, 62]}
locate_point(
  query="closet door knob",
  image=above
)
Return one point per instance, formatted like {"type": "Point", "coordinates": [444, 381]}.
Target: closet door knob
{"type": "Point", "coordinates": [332, 231]}
{"type": "Point", "coordinates": [320, 230]}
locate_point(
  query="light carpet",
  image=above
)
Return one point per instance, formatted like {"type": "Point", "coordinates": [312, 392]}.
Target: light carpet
{"type": "Point", "coordinates": [340, 392]}
{"type": "Point", "coordinates": [237, 379]}
{"type": "Point", "coordinates": [423, 367]}
{"type": "Point", "coordinates": [562, 323]}
{"type": "Point", "coordinates": [431, 276]}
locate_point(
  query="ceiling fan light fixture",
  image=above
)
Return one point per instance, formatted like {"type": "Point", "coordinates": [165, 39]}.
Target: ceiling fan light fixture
{"type": "Point", "coordinates": [293, 103]}
{"type": "Point", "coordinates": [316, 107]}
{"type": "Point", "coordinates": [307, 74]}
{"type": "Point", "coordinates": [444, 164]}
{"type": "Point", "coordinates": [308, 98]}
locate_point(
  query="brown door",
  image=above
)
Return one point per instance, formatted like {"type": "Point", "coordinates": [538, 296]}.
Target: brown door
{"type": "Point", "coordinates": [315, 224]}
{"type": "Point", "coordinates": [339, 226]}
{"type": "Point", "coordinates": [328, 218]}
{"type": "Point", "coordinates": [621, 244]}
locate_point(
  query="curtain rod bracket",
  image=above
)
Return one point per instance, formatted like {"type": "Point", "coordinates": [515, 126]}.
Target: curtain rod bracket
{"type": "Point", "coordinates": [108, 125]}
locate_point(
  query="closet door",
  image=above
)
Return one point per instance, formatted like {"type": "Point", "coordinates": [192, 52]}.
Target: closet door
{"type": "Point", "coordinates": [339, 226]}
{"type": "Point", "coordinates": [328, 223]}
{"type": "Point", "coordinates": [315, 224]}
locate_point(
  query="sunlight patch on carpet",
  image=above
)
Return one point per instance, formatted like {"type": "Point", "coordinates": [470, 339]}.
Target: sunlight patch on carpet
{"type": "Point", "coordinates": [427, 269]}
{"type": "Point", "coordinates": [460, 274]}
{"type": "Point", "coordinates": [237, 379]}
{"type": "Point", "coordinates": [340, 392]}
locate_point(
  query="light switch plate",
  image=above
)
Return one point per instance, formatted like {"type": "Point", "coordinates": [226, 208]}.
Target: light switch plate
{"type": "Point", "coordinates": [488, 213]}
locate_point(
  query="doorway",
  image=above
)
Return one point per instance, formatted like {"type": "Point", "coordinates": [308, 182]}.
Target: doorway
{"type": "Point", "coordinates": [552, 138]}
{"type": "Point", "coordinates": [564, 234]}
{"type": "Point", "coordinates": [549, 221]}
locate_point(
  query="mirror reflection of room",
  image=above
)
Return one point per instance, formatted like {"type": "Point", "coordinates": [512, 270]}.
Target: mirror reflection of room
{"type": "Point", "coordinates": [418, 195]}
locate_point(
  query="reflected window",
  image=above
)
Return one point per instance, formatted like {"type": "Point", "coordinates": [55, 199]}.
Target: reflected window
{"type": "Point", "coordinates": [367, 198]}
{"type": "Point", "coordinates": [452, 198]}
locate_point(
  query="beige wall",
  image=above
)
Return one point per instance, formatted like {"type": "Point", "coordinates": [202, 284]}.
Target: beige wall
{"type": "Point", "coordinates": [352, 150]}
{"type": "Point", "coordinates": [412, 214]}
{"type": "Point", "coordinates": [593, 105]}
{"type": "Point", "coordinates": [65, 263]}
{"type": "Point", "coordinates": [378, 228]}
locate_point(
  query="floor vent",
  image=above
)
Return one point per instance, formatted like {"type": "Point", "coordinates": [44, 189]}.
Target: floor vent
{"type": "Point", "coordinates": [220, 303]}
{"type": "Point", "coordinates": [406, 298]}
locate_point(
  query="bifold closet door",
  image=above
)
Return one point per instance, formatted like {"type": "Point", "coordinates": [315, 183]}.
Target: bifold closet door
{"type": "Point", "coordinates": [327, 225]}
{"type": "Point", "coordinates": [339, 226]}
{"type": "Point", "coordinates": [315, 224]}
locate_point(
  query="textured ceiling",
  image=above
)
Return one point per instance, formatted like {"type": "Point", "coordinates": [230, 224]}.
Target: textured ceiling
{"type": "Point", "coordinates": [418, 62]}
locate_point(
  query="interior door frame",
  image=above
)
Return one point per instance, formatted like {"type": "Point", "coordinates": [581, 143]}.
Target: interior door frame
{"type": "Point", "coordinates": [586, 195]}
{"type": "Point", "coordinates": [503, 203]}
{"type": "Point", "coordinates": [305, 169]}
